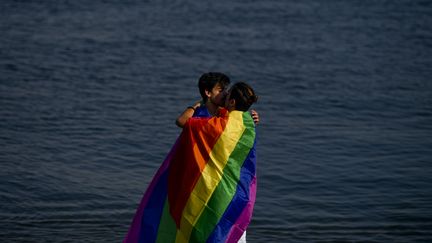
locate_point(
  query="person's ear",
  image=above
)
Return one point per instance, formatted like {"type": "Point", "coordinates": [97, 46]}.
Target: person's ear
{"type": "Point", "coordinates": [207, 93]}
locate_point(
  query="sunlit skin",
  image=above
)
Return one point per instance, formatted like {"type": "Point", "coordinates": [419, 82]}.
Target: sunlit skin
{"type": "Point", "coordinates": [215, 99]}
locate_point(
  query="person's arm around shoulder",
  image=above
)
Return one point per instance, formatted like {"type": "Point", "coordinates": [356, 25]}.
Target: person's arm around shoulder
{"type": "Point", "coordinates": [187, 113]}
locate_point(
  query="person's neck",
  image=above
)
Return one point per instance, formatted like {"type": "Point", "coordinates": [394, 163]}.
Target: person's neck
{"type": "Point", "coordinates": [212, 108]}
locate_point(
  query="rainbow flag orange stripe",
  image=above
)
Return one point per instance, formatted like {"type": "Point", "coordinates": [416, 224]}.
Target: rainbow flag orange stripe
{"type": "Point", "coordinates": [205, 189]}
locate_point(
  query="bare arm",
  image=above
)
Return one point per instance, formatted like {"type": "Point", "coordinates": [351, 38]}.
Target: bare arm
{"type": "Point", "coordinates": [186, 114]}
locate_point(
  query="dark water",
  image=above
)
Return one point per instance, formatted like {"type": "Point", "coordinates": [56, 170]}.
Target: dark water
{"type": "Point", "coordinates": [89, 91]}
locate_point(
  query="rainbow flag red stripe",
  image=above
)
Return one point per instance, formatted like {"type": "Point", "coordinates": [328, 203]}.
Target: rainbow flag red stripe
{"type": "Point", "coordinates": [205, 189]}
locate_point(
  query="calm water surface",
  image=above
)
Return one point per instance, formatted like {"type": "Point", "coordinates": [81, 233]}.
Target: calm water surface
{"type": "Point", "coordinates": [89, 92]}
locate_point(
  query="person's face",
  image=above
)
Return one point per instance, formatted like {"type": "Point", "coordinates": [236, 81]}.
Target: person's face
{"type": "Point", "coordinates": [217, 95]}
{"type": "Point", "coordinates": [228, 103]}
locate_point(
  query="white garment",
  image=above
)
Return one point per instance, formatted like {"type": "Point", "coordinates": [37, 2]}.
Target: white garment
{"type": "Point", "coordinates": [243, 238]}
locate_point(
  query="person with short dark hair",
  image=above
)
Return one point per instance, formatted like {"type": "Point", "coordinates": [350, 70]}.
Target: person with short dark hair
{"type": "Point", "coordinates": [205, 189]}
{"type": "Point", "coordinates": [210, 80]}
{"type": "Point", "coordinates": [212, 87]}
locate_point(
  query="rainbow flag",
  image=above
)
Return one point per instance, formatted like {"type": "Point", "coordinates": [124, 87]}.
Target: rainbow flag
{"type": "Point", "coordinates": [205, 189]}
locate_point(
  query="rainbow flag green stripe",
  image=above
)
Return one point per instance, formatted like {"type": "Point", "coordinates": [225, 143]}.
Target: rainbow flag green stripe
{"type": "Point", "coordinates": [226, 189]}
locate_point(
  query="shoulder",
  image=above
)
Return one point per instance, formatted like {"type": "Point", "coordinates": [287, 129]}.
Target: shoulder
{"type": "Point", "coordinates": [201, 111]}
{"type": "Point", "coordinates": [196, 121]}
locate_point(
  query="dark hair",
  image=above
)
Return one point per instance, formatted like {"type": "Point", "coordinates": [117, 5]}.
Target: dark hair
{"type": "Point", "coordinates": [243, 95]}
{"type": "Point", "coordinates": [207, 81]}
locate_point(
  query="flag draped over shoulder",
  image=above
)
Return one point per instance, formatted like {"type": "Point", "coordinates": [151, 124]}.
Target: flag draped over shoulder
{"type": "Point", "coordinates": [205, 189]}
